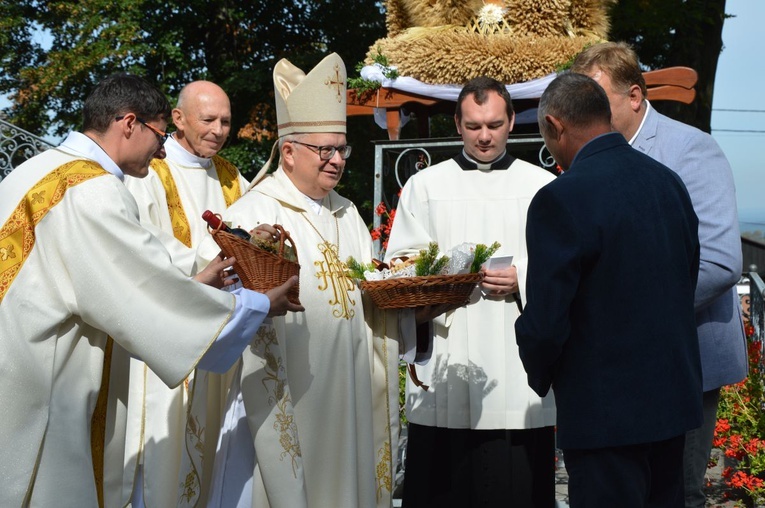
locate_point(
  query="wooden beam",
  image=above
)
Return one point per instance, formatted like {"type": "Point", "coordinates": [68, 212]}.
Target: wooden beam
{"type": "Point", "coordinates": [671, 83]}
{"type": "Point", "coordinates": [684, 77]}
{"type": "Point", "coordinates": [671, 93]}
{"type": "Point", "coordinates": [387, 98]}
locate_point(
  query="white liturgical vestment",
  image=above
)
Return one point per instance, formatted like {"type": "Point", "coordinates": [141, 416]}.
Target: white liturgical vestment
{"type": "Point", "coordinates": [167, 437]}
{"type": "Point", "coordinates": [76, 265]}
{"type": "Point", "coordinates": [475, 375]}
{"type": "Point", "coordinates": [177, 190]}
{"type": "Point", "coordinates": [341, 370]}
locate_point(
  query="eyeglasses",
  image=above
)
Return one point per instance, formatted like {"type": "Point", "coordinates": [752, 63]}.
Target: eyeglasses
{"type": "Point", "coordinates": [327, 152]}
{"type": "Point", "coordinates": [161, 136]}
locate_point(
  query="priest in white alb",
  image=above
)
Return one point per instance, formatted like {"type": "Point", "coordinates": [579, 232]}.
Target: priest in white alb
{"type": "Point", "coordinates": [166, 454]}
{"type": "Point", "coordinates": [79, 276]}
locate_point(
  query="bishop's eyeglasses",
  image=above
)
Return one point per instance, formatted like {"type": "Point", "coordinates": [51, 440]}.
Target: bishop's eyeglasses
{"type": "Point", "coordinates": [327, 152]}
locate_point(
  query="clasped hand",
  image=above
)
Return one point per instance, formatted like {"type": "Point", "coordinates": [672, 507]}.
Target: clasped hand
{"type": "Point", "coordinates": [501, 282]}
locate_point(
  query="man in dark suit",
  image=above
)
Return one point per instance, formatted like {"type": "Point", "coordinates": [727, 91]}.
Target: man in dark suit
{"type": "Point", "coordinates": [697, 159]}
{"type": "Point", "coordinates": [609, 321]}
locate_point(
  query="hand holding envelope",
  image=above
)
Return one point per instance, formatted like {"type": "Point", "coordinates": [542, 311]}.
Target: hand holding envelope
{"type": "Point", "coordinates": [501, 279]}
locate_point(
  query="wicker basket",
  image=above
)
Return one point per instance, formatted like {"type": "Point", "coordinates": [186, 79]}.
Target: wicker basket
{"type": "Point", "coordinates": [259, 269]}
{"type": "Point", "coordinates": [407, 292]}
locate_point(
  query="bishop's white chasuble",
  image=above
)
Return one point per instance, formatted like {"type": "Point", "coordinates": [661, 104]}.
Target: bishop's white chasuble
{"type": "Point", "coordinates": [326, 377]}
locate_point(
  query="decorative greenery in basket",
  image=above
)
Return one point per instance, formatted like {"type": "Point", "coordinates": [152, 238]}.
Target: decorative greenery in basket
{"type": "Point", "coordinates": [428, 286]}
{"type": "Point", "coordinates": [427, 263]}
{"type": "Point", "coordinates": [356, 269]}
{"type": "Point", "coordinates": [274, 247]}
{"type": "Point", "coordinates": [482, 254]}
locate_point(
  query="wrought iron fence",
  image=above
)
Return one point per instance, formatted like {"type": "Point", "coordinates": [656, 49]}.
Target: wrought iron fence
{"type": "Point", "coordinates": [397, 160]}
{"type": "Point", "coordinates": [16, 146]}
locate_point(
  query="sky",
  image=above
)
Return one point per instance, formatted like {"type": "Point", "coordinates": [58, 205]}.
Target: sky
{"type": "Point", "coordinates": [738, 107]}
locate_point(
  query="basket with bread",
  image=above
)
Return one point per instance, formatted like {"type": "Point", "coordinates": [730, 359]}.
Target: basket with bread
{"type": "Point", "coordinates": [427, 278]}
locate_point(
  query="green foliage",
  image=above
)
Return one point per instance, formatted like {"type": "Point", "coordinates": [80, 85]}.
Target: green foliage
{"type": "Point", "coordinates": [356, 269]}
{"type": "Point", "coordinates": [362, 85]}
{"type": "Point", "coordinates": [740, 426]}
{"type": "Point", "coordinates": [482, 253]}
{"type": "Point", "coordinates": [402, 393]}
{"type": "Point", "coordinates": [54, 52]}
{"type": "Point", "coordinates": [428, 262]}
{"type": "Point", "coordinates": [667, 33]}
{"type": "Point", "coordinates": [248, 155]}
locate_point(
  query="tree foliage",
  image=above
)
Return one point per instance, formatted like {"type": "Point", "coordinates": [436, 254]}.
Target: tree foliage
{"type": "Point", "coordinates": [667, 33]}
{"type": "Point", "coordinates": [53, 52]}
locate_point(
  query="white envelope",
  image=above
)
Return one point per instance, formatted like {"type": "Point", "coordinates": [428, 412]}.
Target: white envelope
{"type": "Point", "coordinates": [498, 262]}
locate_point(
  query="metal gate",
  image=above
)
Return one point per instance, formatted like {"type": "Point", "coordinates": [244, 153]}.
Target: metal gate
{"type": "Point", "coordinates": [16, 146]}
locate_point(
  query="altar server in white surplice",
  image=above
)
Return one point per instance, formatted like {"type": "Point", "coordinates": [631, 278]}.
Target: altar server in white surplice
{"type": "Point", "coordinates": [335, 363]}
{"type": "Point", "coordinates": [169, 437]}
{"type": "Point", "coordinates": [479, 436]}
{"type": "Point", "coordinates": [77, 267]}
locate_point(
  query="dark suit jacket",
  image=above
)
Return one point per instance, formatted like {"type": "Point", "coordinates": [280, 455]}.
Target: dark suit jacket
{"type": "Point", "coordinates": [609, 321]}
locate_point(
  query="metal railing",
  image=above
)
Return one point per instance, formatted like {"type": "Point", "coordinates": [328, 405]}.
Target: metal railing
{"type": "Point", "coordinates": [757, 313]}
{"type": "Point", "coordinates": [16, 146]}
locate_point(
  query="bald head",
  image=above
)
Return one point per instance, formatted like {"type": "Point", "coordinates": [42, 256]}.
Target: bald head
{"type": "Point", "coordinates": [202, 118]}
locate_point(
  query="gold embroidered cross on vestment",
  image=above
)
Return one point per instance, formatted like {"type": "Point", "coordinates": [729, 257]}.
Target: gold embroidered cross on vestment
{"type": "Point", "coordinates": [332, 272]}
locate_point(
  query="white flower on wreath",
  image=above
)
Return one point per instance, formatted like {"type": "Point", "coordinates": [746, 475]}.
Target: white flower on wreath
{"type": "Point", "coordinates": [491, 14]}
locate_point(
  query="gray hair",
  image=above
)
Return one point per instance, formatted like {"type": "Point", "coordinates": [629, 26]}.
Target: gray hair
{"type": "Point", "coordinates": [576, 99]}
{"type": "Point", "coordinates": [291, 137]}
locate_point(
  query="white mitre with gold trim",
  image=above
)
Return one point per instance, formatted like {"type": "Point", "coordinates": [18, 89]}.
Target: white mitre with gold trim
{"type": "Point", "coordinates": [313, 102]}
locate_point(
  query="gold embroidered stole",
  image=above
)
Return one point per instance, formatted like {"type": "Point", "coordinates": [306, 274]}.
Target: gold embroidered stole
{"type": "Point", "coordinates": [196, 385]}
{"type": "Point", "coordinates": [386, 449]}
{"type": "Point", "coordinates": [228, 176]}
{"type": "Point", "coordinates": [229, 183]}
{"type": "Point", "coordinates": [17, 236]}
